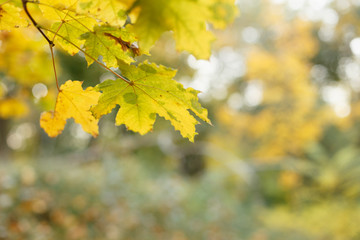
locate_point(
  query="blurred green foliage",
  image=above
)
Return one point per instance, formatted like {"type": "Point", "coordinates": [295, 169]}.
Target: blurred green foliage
{"type": "Point", "coordinates": [118, 199]}
{"type": "Point", "coordinates": [122, 198]}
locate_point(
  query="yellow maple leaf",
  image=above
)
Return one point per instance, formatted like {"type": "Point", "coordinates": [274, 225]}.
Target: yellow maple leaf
{"type": "Point", "coordinates": [185, 18]}
{"type": "Point", "coordinates": [10, 17]}
{"type": "Point", "coordinates": [72, 102]}
{"type": "Point", "coordinates": [112, 12]}
{"type": "Point", "coordinates": [22, 47]}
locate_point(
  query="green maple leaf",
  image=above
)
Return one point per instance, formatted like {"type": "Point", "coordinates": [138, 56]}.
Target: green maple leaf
{"type": "Point", "coordinates": [187, 20]}
{"type": "Point", "coordinates": [67, 23]}
{"type": "Point", "coordinates": [72, 28]}
{"type": "Point", "coordinates": [111, 43]}
{"type": "Point", "coordinates": [151, 91]}
{"type": "Point", "coordinates": [82, 30]}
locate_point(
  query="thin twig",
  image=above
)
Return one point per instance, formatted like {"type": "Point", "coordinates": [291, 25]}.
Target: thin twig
{"type": "Point", "coordinates": [101, 64]}
{"type": "Point", "coordinates": [53, 58]}
{"type": "Point", "coordinates": [53, 61]}
{"type": "Point", "coordinates": [51, 43]}
{"type": "Point", "coordinates": [52, 51]}
{"type": "Point", "coordinates": [24, 2]}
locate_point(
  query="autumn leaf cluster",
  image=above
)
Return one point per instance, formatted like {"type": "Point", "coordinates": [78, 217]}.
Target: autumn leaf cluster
{"type": "Point", "coordinates": [113, 33]}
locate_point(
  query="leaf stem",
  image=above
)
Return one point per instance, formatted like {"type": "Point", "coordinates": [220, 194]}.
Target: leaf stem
{"type": "Point", "coordinates": [101, 64]}
{"type": "Point", "coordinates": [53, 62]}
{"type": "Point", "coordinates": [51, 42]}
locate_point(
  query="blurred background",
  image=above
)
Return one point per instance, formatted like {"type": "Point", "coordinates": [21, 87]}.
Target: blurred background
{"type": "Point", "coordinates": [282, 160]}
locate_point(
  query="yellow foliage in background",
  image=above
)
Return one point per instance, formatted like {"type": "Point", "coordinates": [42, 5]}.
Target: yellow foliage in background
{"type": "Point", "coordinates": [326, 220]}
{"type": "Point", "coordinates": [24, 59]}
{"type": "Point", "coordinates": [289, 179]}
{"type": "Point", "coordinates": [288, 117]}
{"type": "Point", "coordinates": [13, 108]}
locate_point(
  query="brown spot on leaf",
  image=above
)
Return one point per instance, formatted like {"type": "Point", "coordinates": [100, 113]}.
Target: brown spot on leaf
{"type": "Point", "coordinates": [125, 45]}
{"type": "Point", "coordinates": [135, 50]}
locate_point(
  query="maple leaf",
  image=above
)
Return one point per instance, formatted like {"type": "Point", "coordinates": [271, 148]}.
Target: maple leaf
{"type": "Point", "coordinates": [72, 102]}
{"type": "Point", "coordinates": [71, 29]}
{"type": "Point", "coordinates": [151, 91]}
{"type": "Point", "coordinates": [69, 24]}
{"type": "Point", "coordinates": [96, 28]}
{"type": "Point", "coordinates": [54, 9]}
{"type": "Point", "coordinates": [185, 18]}
{"type": "Point", "coordinates": [112, 12]}
{"type": "Point", "coordinates": [10, 17]}
{"type": "Point", "coordinates": [111, 43]}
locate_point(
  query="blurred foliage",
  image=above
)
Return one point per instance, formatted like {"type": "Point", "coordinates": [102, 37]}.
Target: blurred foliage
{"type": "Point", "coordinates": [131, 198]}
{"type": "Point", "coordinates": [289, 111]}
{"type": "Point", "coordinates": [117, 199]}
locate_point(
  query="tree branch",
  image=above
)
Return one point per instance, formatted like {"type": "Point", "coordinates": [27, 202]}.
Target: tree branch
{"type": "Point", "coordinates": [84, 52]}
{"type": "Point", "coordinates": [24, 2]}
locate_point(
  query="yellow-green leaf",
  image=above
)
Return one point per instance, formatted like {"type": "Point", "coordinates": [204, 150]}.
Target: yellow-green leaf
{"type": "Point", "coordinates": [112, 44]}
{"type": "Point", "coordinates": [186, 18]}
{"type": "Point", "coordinates": [69, 25]}
{"type": "Point", "coordinates": [71, 28]}
{"type": "Point", "coordinates": [10, 17]}
{"type": "Point", "coordinates": [112, 12]}
{"type": "Point", "coordinates": [72, 102]}
{"type": "Point", "coordinates": [151, 91]}
{"type": "Point", "coordinates": [55, 9]}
